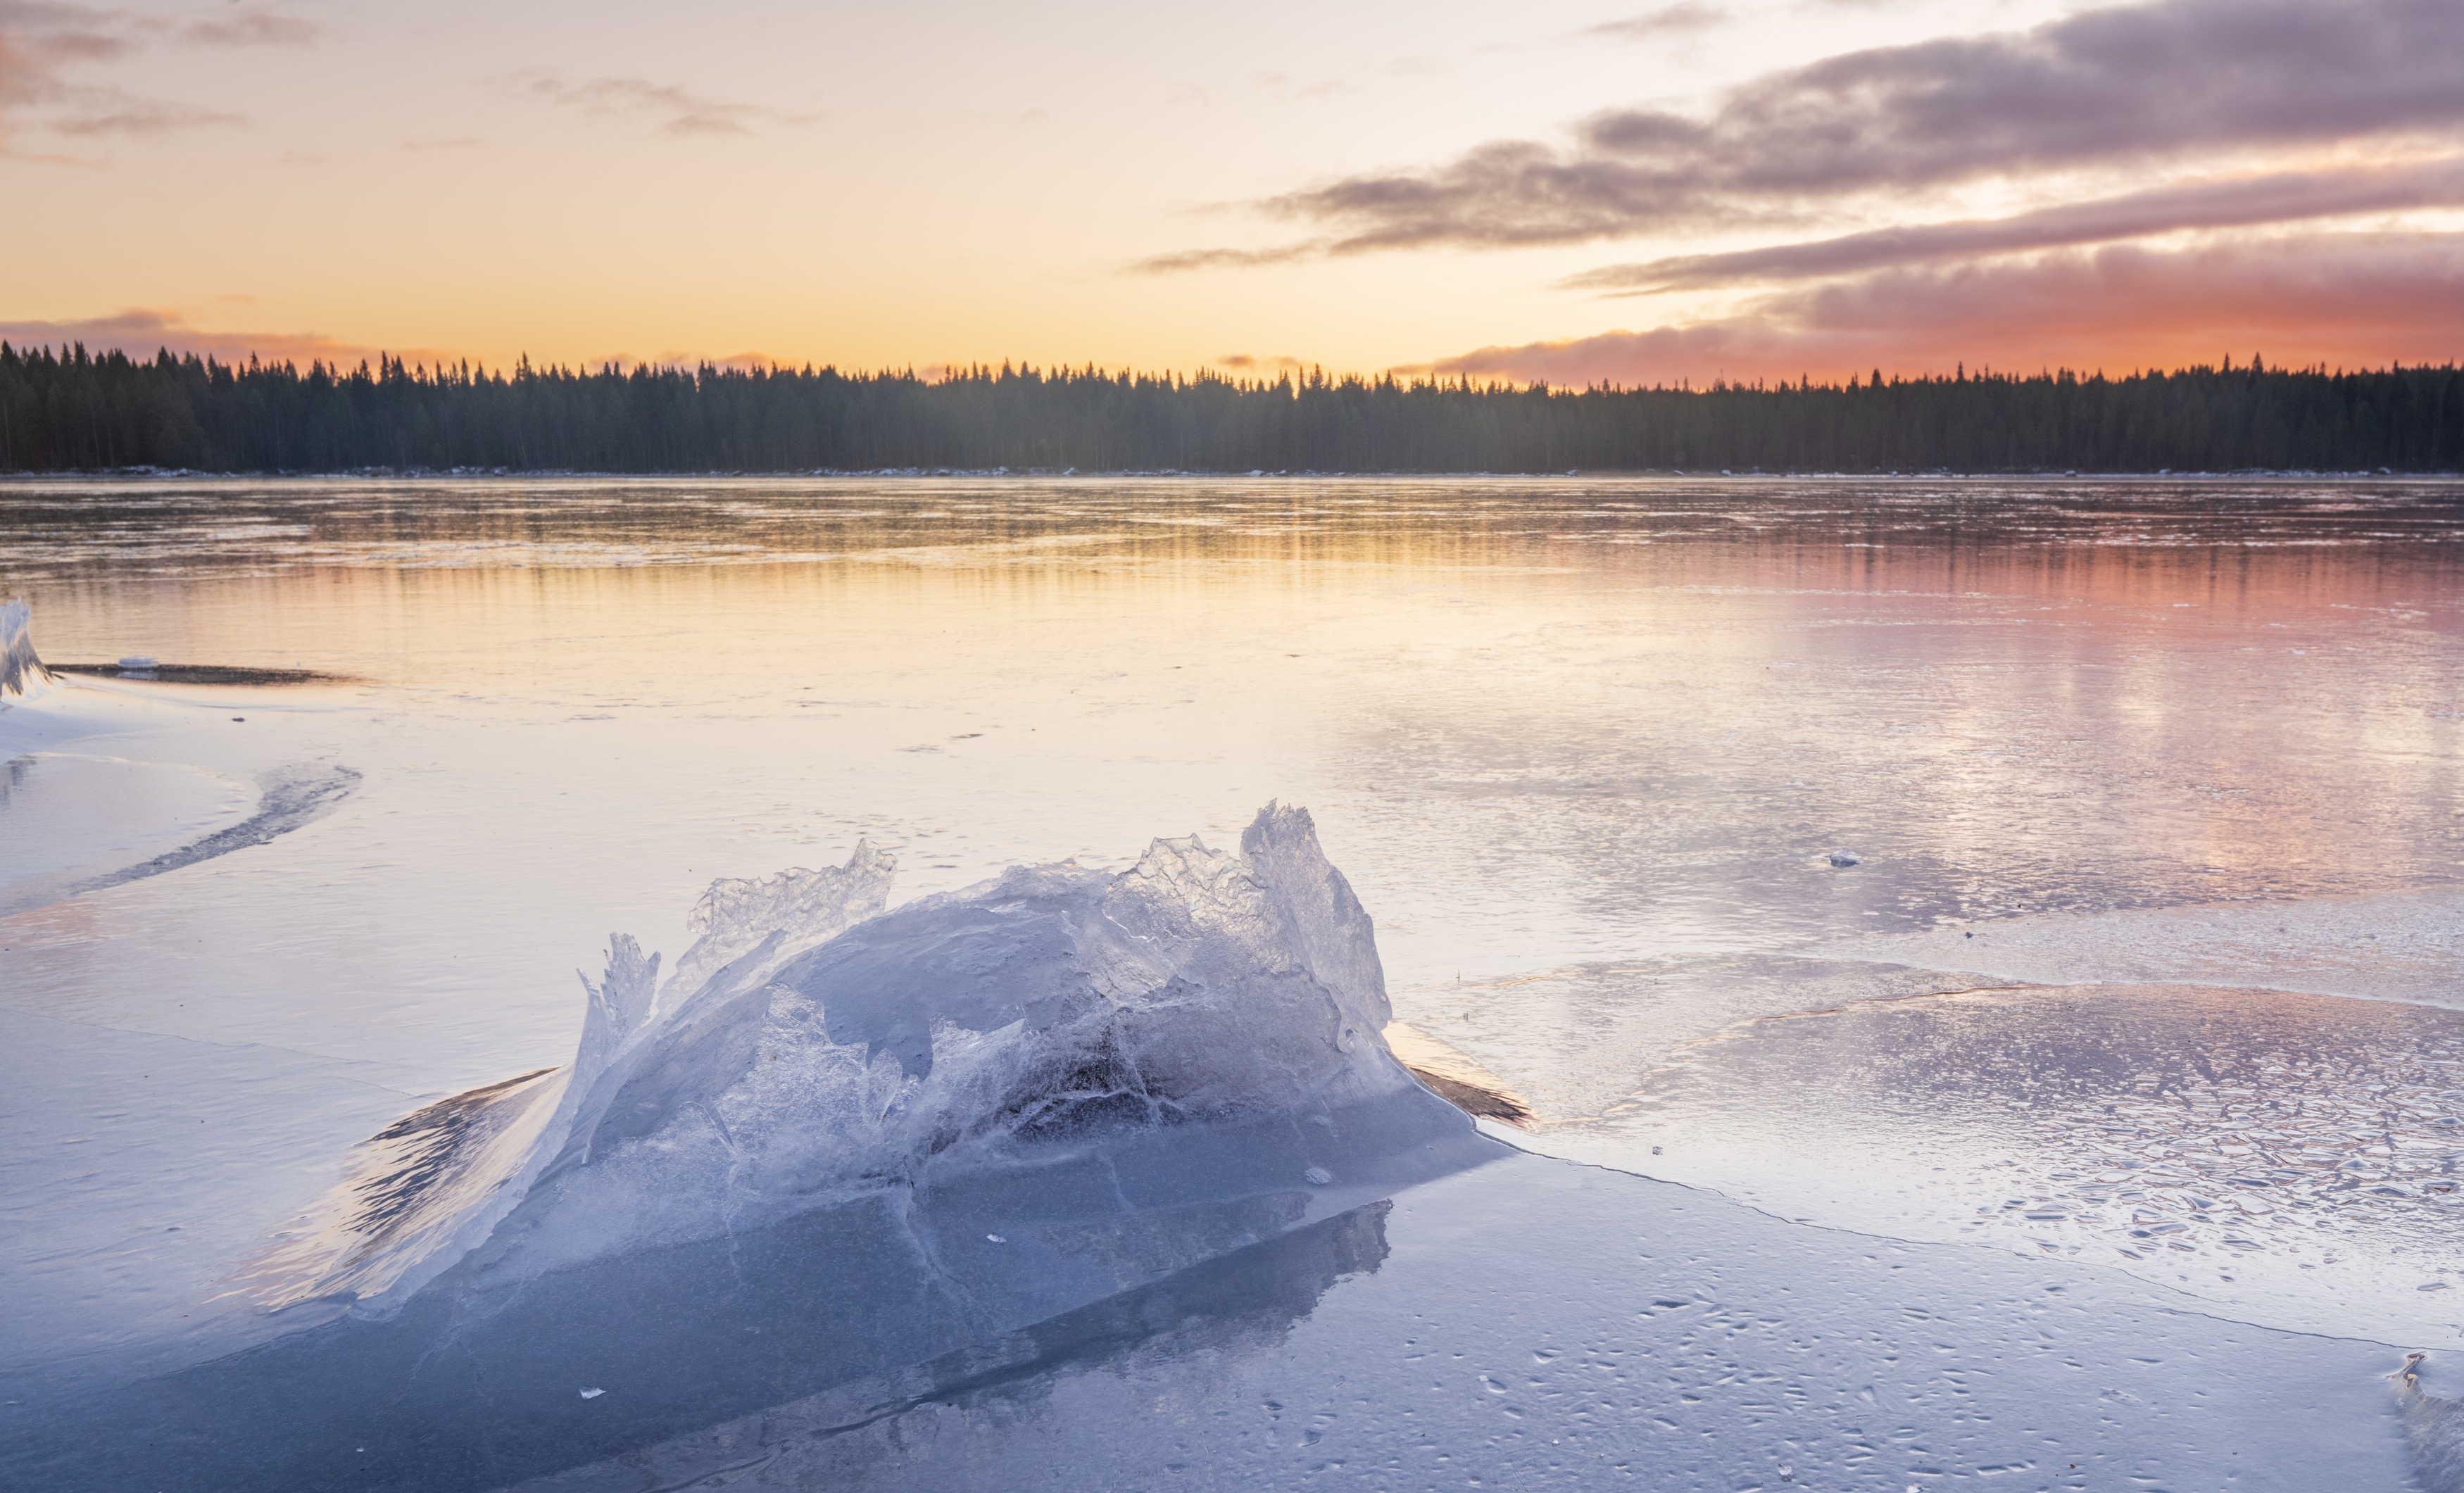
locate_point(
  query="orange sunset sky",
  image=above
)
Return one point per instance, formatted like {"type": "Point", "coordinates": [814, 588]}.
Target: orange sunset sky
{"type": "Point", "coordinates": [1558, 191]}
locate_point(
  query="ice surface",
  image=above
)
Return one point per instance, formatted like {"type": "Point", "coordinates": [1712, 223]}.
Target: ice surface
{"type": "Point", "coordinates": [1588, 747]}
{"type": "Point", "coordinates": [1571, 1042]}
{"type": "Point", "coordinates": [904, 1130]}
{"type": "Point", "coordinates": [87, 822]}
{"type": "Point", "coordinates": [2295, 1159]}
{"type": "Point", "coordinates": [70, 817]}
{"type": "Point", "coordinates": [1539, 1326]}
{"type": "Point", "coordinates": [2393, 945]}
{"type": "Point", "coordinates": [139, 1168]}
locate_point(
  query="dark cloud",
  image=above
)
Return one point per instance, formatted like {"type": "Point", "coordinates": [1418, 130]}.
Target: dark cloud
{"type": "Point", "coordinates": [2341, 299]}
{"type": "Point", "coordinates": [1685, 18]}
{"type": "Point", "coordinates": [670, 107]}
{"type": "Point", "coordinates": [2108, 89]}
{"type": "Point", "coordinates": [2277, 197]}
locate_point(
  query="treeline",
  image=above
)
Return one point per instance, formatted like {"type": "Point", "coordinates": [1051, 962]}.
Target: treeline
{"type": "Point", "coordinates": [75, 411]}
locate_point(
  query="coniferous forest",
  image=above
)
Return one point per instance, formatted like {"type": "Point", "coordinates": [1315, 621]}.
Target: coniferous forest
{"type": "Point", "coordinates": [75, 411]}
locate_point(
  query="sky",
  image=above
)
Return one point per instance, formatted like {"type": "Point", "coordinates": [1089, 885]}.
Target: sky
{"type": "Point", "coordinates": [1560, 192]}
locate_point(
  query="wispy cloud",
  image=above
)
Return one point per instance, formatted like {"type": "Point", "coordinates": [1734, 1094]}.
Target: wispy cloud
{"type": "Point", "coordinates": [2352, 298]}
{"type": "Point", "coordinates": [1226, 258]}
{"type": "Point", "coordinates": [669, 107]}
{"type": "Point", "coordinates": [2118, 89]}
{"type": "Point", "coordinates": [248, 28]}
{"type": "Point", "coordinates": [1252, 363]}
{"type": "Point", "coordinates": [100, 111]}
{"type": "Point", "coordinates": [2275, 197]}
{"type": "Point", "coordinates": [142, 330]}
{"type": "Point", "coordinates": [1686, 18]}
{"type": "Point", "coordinates": [42, 43]}
{"type": "Point", "coordinates": [1293, 90]}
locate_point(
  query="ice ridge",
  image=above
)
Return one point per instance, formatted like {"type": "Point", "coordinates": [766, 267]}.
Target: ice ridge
{"type": "Point", "coordinates": [22, 674]}
{"type": "Point", "coordinates": [811, 1049]}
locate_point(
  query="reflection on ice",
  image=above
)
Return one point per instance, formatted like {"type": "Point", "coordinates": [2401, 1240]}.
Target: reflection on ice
{"type": "Point", "coordinates": [882, 1430]}
{"type": "Point", "coordinates": [1534, 1325]}
{"type": "Point", "coordinates": [2298, 1155]}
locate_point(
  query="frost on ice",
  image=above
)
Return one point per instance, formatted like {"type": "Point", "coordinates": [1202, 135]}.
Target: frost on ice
{"type": "Point", "coordinates": [1203, 1026]}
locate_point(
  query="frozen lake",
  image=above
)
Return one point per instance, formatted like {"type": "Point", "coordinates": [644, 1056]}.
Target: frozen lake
{"type": "Point", "coordinates": [1993, 943]}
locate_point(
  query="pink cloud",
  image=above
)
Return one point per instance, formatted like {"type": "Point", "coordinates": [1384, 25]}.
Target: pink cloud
{"type": "Point", "coordinates": [2348, 299]}
{"type": "Point", "coordinates": [42, 40]}
{"type": "Point", "coordinates": [140, 332]}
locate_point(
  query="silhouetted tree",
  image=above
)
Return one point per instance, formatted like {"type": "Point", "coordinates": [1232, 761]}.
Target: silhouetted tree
{"type": "Point", "coordinates": [70, 410]}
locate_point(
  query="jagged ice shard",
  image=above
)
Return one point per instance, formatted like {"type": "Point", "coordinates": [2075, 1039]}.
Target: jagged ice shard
{"type": "Point", "coordinates": [22, 674]}
{"type": "Point", "coordinates": [879, 1136]}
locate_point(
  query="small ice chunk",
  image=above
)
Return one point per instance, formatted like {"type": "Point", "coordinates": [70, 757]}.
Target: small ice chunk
{"type": "Point", "coordinates": [1844, 859]}
{"type": "Point", "coordinates": [997, 1238]}
{"type": "Point", "coordinates": [1318, 1177]}
{"type": "Point", "coordinates": [592, 1393]}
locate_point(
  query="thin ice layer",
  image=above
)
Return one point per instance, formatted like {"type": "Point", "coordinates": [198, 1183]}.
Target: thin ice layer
{"type": "Point", "coordinates": [2292, 1158]}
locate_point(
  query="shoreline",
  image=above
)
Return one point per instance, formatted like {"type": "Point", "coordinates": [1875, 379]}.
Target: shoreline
{"type": "Point", "coordinates": [133, 475]}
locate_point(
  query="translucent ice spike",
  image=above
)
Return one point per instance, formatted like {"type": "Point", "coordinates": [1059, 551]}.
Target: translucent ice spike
{"type": "Point", "coordinates": [22, 674]}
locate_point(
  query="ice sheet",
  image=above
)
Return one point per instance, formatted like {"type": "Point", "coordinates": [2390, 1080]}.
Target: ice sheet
{"type": "Point", "coordinates": [909, 1131]}
{"type": "Point", "coordinates": [1540, 1326]}
{"type": "Point", "coordinates": [69, 817]}
{"type": "Point", "coordinates": [2394, 946]}
{"type": "Point", "coordinates": [140, 1169]}
{"type": "Point", "coordinates": [1576, 1041]}
{"type": "Point", "coordinates": [2293, 1159]}
{"type": "Point", "coordinates": [1590, 746]}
